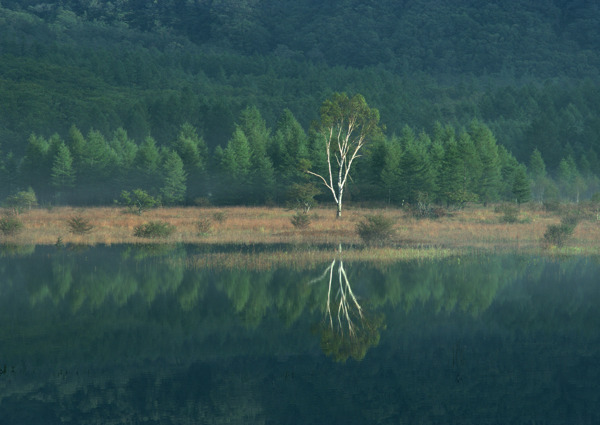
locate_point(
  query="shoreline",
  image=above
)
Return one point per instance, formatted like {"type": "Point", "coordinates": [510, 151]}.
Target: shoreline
{"type": "Point", "coordinates": [469, 229]}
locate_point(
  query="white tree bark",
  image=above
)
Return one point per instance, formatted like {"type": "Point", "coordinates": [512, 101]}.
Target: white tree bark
{"type": "Point", "coordinates": [347, 147]}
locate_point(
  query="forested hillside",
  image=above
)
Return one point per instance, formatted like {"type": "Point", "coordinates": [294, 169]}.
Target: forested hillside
{"type": "Point", "coordinates": [93, 86]}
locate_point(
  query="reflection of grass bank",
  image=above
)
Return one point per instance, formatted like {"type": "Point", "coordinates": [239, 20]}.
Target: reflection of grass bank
{"type": "Point", "coordinates": [300, 259]}
{"type": "Point", "coordinates": [470, 228]}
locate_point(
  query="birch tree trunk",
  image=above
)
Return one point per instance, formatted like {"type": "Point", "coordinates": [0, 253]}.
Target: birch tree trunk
{"type": "Point", "coordinates": [346, 126]}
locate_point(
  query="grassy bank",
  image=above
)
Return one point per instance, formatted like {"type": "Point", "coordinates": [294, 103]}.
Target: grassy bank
{"type": "Point", "coordinates": [470, 228]}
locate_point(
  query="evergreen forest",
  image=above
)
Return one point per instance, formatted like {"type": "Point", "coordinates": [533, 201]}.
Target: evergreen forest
{"type": "Point", "coordinates": [214, 101]}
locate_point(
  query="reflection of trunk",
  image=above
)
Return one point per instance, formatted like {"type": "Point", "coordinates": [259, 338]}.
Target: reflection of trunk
{"type": "Point", "coordinates": [344, 300]}
{"type": "Point", "coordinates": [350, 332]}
{"type": "Point", "coordinates": [348, 305]}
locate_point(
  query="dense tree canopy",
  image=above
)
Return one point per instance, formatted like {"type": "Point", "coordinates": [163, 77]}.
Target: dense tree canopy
{"type": "Point", "coordinates": [119, 82]}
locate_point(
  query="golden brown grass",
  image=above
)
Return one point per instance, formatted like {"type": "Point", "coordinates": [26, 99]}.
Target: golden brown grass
{"type": "Point", "coordinates": [470, 228]}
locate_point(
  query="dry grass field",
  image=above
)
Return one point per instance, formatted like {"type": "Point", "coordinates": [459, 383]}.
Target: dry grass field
{"type": "Point", "coordinates": [469, 228]}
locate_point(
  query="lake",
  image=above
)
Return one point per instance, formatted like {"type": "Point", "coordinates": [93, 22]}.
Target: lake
{"type": "Point", "coordinates": [136, 335]}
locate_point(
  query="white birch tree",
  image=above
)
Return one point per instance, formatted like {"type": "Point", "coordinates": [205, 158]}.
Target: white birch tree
{"type": "Point", "coordinates": [346, 125]}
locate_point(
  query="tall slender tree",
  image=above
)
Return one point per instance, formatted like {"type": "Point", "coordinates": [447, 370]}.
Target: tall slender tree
{"type": "Point", "coordinates": [262, 175]}
{"type": "Point", "coordinates": [174, 179]}
{"type": "Point", "coordinates": [346, 126]}
{"type": "Point", "coordinates": [486, 146]}
{"type": "Point", "coordinates": [63, 174]}
{"type": "Point", "coordinates": [521, 187]}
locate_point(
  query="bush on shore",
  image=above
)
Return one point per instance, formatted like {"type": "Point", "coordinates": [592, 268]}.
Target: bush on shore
{"type": "Point", "coordinates": [153, 230]}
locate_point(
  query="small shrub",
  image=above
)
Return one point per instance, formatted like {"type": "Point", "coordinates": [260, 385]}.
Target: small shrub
{"type": "Point", "coordinates": [301, 197]}
{"type": "Point", "coordinates": [438, 212]}
{"type": "Point", "coordinates": [204, 226]}
{"type": "Point", "coordinates": [558, 234]}
{"type": "Point", "coordinates": [80, 225]}
{"type": "Point", "coordinates": [20, 201]}
{"type": "Point", "coordinates": [300, 220]}
{"type": "Point", "coordinates": [423, 208]}
{"type": "Point", "coordinates": [202, 202]}
{"type": "Point", "coordinates": [153, 229]}
{"type": "Point", "coordinates": [375, 229]}
{"type": "Point", "coordinates": [138, 201]}
{"type": "Point", "coordinates": [220, 216]}
{"type": "Point", "coordinates": [10, 225]}
{"type": "Point", "coordinates": [510, 213]}
{"type": "Point", "coordinates": [552, 206]}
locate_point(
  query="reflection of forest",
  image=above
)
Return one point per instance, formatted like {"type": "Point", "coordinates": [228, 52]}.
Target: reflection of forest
{"type": "Point", "coordinates": [88, 328]}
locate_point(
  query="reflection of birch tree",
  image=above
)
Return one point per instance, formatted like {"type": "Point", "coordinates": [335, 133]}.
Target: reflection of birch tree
{"type": "Point", "coordinates": [348, 331]}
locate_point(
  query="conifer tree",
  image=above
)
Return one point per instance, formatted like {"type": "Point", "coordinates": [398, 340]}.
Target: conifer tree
{"type": "Point", "coordinates": [539, 178]}
{"type": "Point", "coordinates": [173, 179]}
{"type": "Point", "coordinates": [521, 187]}
{"type": "Point", "coordinates": [470, 167]}
{"type": "Point", "coordinates": [235, 167]}
{"type": "Point", "coordinates": [537, 167]}
{"type": "Point", "coordinates": [487, 149]}
{"type": "Point", "coordinates": [570, 181]}
{"type": "Point", "coordinates": [63, 174]}
{"type": "Point", "coordinates": [76, 144]}
{"type": "Point", "coordinates": [416, 173]}
{"type": "Point", "coordinates": [450, 179]}
{"type": "Point", "coordinates": [262, 178]}
{"type": "Point", "coordinates": [389, 168]}
{"type": "Point", "coordinates": [288, 150]}
{"type": "Point", "coordinates": [508, 168]}
{"type": "Point", "coordinates": [236, 156]}
{"type": "Point", "coordinates": [193, 151]}
{"type": "Point", "coordinates": [125, 150]}
{"type": "Point", "coordinates": [147, 164]}
{"type": "Point", "coordinates": [35, 168]}
{"type": "Point", "coordinates": [436, 158]}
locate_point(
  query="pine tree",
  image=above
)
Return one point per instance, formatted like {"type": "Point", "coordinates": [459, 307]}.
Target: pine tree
{"type": "Point", "coordinates": [521, 187]}
{"type": "Point", "coordinates": [36, 167]}
{"type": "Point", "coordinates": [571, 183]}
{"type": "Point", "coordinates": [487, 149]}
{"type": "Point", "coordinates": [125, 150]}
{"type": "Point", "coordinates": [288, 149]}
{"type": "Point", "coordinates": [416, 173]}
{"type": "Point", "coordinates": [385, 167]}
{"type": "Point", "coordinates": [76, 144]}
{"type": "Point", "coordinates": [471, 167]}
{"type": "Point", "coordinates": [262, 176]}
{"type": "Point", "coordinates": [539, 179]}
{"type": "Point", "coordinates": [194, 153]}
{"type": "Point", "coordinates": [508, 168]}
{"type": "Point", "coordinates": [450, 179]}
{"type": "Point", "coordinates": [235, 169]}
{"type": "Point", "coordinates": [174, 179]}
{"type": "Point", "coordinates": [537, 167]}
{"type": "Point", "coordinates": [63, 174]}
{"type": "Point", "coordinates": [147, 163]}
{"type": "Point", "coordinates": [236, 156]}
{"type": "Point", "coordinates": [436, 158]}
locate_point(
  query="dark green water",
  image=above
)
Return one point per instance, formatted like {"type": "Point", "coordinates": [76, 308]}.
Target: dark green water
{"type": "Point", "coordinates": [123, 335]}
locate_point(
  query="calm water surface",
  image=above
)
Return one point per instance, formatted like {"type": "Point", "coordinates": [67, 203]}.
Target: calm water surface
{"type": "Point", "coordinates": [126, 335]}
